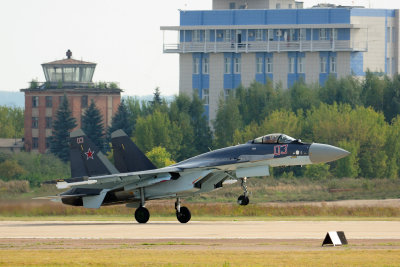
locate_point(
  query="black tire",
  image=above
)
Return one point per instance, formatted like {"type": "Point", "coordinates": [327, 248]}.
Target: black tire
{"type": "Point", "coordinates": [184, 215]}
{"type": "Point", "coordinates": [142, 215]}
{"type": "Point", "coordinates": [243, 201]}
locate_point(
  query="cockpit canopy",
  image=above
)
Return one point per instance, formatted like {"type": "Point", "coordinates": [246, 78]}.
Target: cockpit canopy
{"type": "Point", "coordinates": [276, 138]}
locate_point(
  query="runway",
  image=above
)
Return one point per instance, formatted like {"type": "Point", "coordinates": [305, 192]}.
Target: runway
{"type": "Point", "coordinates": [198, 229]}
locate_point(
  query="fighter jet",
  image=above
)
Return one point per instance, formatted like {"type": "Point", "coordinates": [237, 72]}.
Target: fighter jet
{"type": "Point", "coordinates": [134, 179]}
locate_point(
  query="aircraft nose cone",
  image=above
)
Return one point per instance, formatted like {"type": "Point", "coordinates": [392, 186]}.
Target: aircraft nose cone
{"type": "Point", "coordinates": [320, 153]}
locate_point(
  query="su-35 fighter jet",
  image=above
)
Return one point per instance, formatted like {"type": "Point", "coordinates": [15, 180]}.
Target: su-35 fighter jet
{"type": "Point", "coordinates": [134, 179]}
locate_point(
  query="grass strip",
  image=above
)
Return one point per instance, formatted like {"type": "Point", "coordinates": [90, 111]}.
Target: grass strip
{"type": "Point", "coordinates": [155, 257]}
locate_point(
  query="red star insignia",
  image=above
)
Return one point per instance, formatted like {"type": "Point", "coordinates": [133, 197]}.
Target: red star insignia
{"type": "Point", "coordinates": [89, 154]}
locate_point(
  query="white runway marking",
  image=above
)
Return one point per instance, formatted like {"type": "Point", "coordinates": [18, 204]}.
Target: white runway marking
{"type": "Point", "coordinates": [199, 229]}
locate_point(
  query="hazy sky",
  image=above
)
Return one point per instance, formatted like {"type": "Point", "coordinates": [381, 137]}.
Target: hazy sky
{"type": "Point", "coordinates": [122, 36]}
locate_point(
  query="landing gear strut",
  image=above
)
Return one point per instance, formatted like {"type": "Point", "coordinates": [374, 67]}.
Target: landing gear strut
{"type": "Point", "coordinates": [243, 200]}
{"type": "Point", "coordinates": [142, 215]}
{"type": "Point", "coordinates": [182, 213]}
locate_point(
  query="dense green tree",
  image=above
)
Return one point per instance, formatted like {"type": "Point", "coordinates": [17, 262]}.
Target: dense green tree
{"type": "Point", "coordinates": [202, 139]}
{"type": "Point", "coordinates": [228, 119]}
{"type": "Point", "coordinates": [62, 126]}
{"type": "Point", "coordinates": [11, 122]}
{"type": "Point", "coordinates": [348, 166]}
{"type": "Point", "coordinates": [121, 120]}
{"type": "Point", "coordinates": [160, 157]}
{"type": "Point", "coordinates": [373, 91]}
{"type": "Point", "coordinates": [92, 125]}
{"type": "Point", "coordinates": [302, 96]}
{"type": "Point", "coordinates": [391, 106]}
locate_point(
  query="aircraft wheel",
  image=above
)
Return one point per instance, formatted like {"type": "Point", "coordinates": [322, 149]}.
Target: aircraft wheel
{"type": "Point", "coordinates": [184, 215]}
{"type": "Point", "coordinates": [142, 215]}
{"type": "Point", "coordinates": [243, 200]}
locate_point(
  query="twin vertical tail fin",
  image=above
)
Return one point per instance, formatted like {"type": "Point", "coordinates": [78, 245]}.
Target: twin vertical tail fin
{"type": "Point", "coordinates": [86, 159]}
{"type": "Point", "coordinates": [127, 156]}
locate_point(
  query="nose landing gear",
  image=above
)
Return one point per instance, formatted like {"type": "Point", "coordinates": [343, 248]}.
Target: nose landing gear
{"type": "Point", "coordinates": [243, 200]}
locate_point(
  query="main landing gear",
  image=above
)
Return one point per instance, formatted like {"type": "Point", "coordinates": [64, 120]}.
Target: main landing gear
{"type": "Point", "coordinates": [243, 200]}
{"type": "Point", "coordinates": [142, 215]}
{"type": "Point", "coordinates": [182, 213]}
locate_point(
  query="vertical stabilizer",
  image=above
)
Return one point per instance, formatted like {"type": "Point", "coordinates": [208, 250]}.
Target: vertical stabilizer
{"type": "Point", "coordinates": [127, 156]}
{"type": "Point", "coordinates": [86, 158]}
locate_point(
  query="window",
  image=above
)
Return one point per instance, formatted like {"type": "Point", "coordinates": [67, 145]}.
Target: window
{"type": "Point", "coordinates": [227, 93]}
{"type": "Point", "coordinates": [300, 65]}
{"type": "Point", "coordinates": [49, 101]}
{"type": "Point", "coordinates": [196, 36]}
{"type": "Point", "coordinates": [292, 35]}
{"type": "Point", "coordinates": [207, 35]}
{"type": "Point", "coordinates": [259, 64]}
{"type": "Point", "coordinates": [35, 142]}
{"type": "Point", "coordinates": [323, 34]}
{"type": "Point", "coordinates": [49, 122]}
{"type": "Point", "coordinates": [333, 65]}
{"type": "Point", "coordinates": [227, 65]}
{"type": "Point", "coordinates": [388, 65]}
{"type": "Point", "coordinates": [48, 139]}
{"type": "Point", "coordinates": [84, 101]}
{"type": "Point", "coordinates": [268, 65]}
{"type": "Point", "coordinates": [61, 99]}
{"type": "Point", "coordinates": [35, 101]}
{"type": "Point", "coordinates": [232, 5]}
{"type": "Point", "coordinates": [205, 97]}
{"type": "Point", "coordinates": [259, 35]}
{"type": "Point", "coordinates": [35, 122]}
{"type": "Point", "coordinates": [291, 65]}
{"type": "Point", "coordinates": [270, 34]}
{"type": "Point", "coordinates": [278, 6]}
{"type": "Point", "coordinates": [302, 34]}
{"type": "Point", "coordinates": [322, 67]}
{"type": "Point", "coordinates": [205, 65]}
{"type": "Point", "coordinates": [334, 34]}
{"type": "Point", "coordinates": [393, 34]}
{"type": "Point", "coordinates": [196, 63]}
{"type": "Point", "coordinates": [227, 35]}
{"type": "Point", "coordinates": [393, 66]}
{"type": "Point", "coordinates": [388, 34]}
{"type": "Point", "coordinates": [237, 65]}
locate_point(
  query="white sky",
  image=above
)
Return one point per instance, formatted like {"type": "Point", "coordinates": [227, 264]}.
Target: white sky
{"type": "Point", "coordinates": [122, 36]}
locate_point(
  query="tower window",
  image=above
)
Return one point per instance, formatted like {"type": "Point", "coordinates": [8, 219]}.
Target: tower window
{"type": "Point", "coordinates": [49, 122]}
{"type": "Point", "coordinates": [206, 65]}
{"type": "Point", "coordinates": [333, 65]}
{"type": "Point", "coordinates": [238, 66]}
{"type": "Point", "coordinates": [35, 142]}
{"type": "Point", "coordinates": [84, 101]}
{"type": "Point", "coordinates": [35, 101]}
{"type": "Point", "coordinates": [227, 65]}
{"type": "Point", "coordinates": [259, 64]}
{"type": "Point", "coordinates": [269, 65]}
{"type": "Point", "coordinates": [35, 122]}
{"type": "Point", "coordinates": [300, 65]}
{"type": "Point", "coordinates": [291, 65]}
{"type": "Point", "coordinates": [196, 65]}
{"type": "Point", "coordinates": [206, 96]}
{"type": "Point", "coordinates": [322, 66]}
{"type": "Point", "coordinates": [49, 101]}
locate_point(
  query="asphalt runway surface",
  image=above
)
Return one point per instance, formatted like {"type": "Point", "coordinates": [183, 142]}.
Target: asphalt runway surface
{"type": "Point", "coordinates": [197, 229]}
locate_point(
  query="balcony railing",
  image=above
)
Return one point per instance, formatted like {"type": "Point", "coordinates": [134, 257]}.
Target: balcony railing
{"type": "Point", "coordinates": [267, 46]}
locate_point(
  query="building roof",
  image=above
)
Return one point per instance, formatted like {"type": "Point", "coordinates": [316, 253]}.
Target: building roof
{"type": "Point", "coordinates": [10, 142]}
{"type": "Point", "coordinates": [69, 61]}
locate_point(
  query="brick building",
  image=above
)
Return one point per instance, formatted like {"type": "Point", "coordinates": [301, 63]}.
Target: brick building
{"type": "Point", "coordinates": [71, 78]}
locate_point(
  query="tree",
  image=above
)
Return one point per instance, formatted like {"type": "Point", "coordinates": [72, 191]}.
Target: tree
{"type": "Point", "coordinates": [121, 120]}
{"type": "Point", "coordinates": [92, 125]}
{"type": "Point", "coordinates": [227, 121]}
{"type": "Point", "coordinates": [63, 124]}
{"type": "Point", "coordinates": [202, 132]}
{"type": "Point", "coordinates": [12, 122]}
{"type": "Point", "coordinates": [160, 157]}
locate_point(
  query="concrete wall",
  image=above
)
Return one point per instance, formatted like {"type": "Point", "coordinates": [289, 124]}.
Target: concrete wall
{"type": "Point", "coordinates": [281, 68]}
